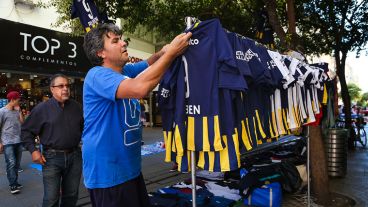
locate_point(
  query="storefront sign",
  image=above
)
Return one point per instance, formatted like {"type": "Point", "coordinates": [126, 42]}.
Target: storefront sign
{"type": "Point", "coordinates": [47, 50]}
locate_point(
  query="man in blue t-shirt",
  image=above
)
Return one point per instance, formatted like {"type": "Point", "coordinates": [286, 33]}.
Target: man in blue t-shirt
{"type": "Point", "coordinates": [112, 131]}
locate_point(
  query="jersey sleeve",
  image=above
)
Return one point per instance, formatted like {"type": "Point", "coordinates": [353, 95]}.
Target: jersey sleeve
{"type": "Point", "coordinates": [133, 69]}
{"type": "Point", "coordinates": [231, 80]}
{"type": "Point", "coordinates": [224, 50]}
{"type": "Point", "coordinates": [230, 76]}
{"type": "Point", "coordinates": [105, 82]}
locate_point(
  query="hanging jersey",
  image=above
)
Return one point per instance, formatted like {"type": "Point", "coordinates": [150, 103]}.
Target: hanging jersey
{"type": "Point", "coordinates": [193, 122]}
{"type": "Point", "coordinates": [202, 81]}
{"type": "Point", "coordinates": [166, 102]}
{"type": "Point", "coordinates": [257, 77]}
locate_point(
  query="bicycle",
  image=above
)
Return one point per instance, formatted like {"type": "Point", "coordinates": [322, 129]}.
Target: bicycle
{"type": "Point", "coordinates": [360, 133]}
{"type": "Point", "coordinates": [357, 122]}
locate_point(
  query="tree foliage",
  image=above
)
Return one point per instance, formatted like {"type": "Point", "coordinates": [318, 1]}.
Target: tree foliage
{"type": "Point", "coordinates": [322, 25]}
{"type": "Point", "coordinates": [334, 25]}
{"type": "Point", "coordinates": [363, 101]}
{"type": "Point", "coordinates": [166, 17]}
{"type": "Point", "coordinates": [354, 91]}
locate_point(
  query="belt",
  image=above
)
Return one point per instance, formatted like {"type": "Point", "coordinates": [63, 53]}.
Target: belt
{"type": "Point", "coordinates": [66, 151]}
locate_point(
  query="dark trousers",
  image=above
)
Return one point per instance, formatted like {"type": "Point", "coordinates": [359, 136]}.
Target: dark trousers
{"type": "Point", "coordinates": [132, 193]}
{"type": "Point", "coordinates": [61, 176]}
{"type": "Point", "coordinates": [12, 154]}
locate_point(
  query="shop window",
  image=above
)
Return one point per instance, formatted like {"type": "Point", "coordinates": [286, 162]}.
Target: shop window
{"type": "Point", "coordinates": [34, 88]}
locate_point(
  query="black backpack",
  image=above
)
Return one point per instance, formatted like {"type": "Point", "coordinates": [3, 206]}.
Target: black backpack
{"type": "Point", "coordinates": [284, 172]}
{"type": "Point", "coordinates": [290, 177]}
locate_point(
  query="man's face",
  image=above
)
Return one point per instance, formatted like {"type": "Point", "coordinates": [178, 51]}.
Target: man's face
{"type": "Point", "coordinates": [16, 102]}
{"type": "Point", "coordinates": [115, 50]}
{"type": "Point", "coordinates": [60, 89]}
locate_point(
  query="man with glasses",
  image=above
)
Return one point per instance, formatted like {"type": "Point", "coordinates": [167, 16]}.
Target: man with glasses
{"type": "Point", "coordinates": [59, 124]}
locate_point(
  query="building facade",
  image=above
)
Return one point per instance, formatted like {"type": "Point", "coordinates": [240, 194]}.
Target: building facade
{"type": "Point", "coordinates": [33, 49]}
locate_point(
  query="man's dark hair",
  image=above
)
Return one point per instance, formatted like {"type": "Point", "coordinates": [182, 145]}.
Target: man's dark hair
{"type": "Point", "coordinates": [94, 41]}
{"type": "Point", "coordinates": [59, 75]}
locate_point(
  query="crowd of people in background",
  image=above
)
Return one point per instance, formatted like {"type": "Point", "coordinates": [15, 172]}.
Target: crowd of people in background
{"type": "Point", "coordinates": [355, 109]}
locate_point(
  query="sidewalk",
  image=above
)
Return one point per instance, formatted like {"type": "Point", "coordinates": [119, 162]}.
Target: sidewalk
{"type": "Point", "coordinates": [355, 184]}
{"type": "Point", "coordinates": [156, 174]}
{"type": "Point", "coordinates": [155, 171]}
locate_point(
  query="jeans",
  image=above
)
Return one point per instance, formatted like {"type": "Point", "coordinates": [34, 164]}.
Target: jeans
{"type": "Point", "coordinates": [12, 154]}
{"type": "Point", "coordinates": [61, 176]}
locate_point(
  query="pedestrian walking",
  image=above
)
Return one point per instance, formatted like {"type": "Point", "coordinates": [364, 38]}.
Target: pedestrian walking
{"type": "Point", "coordinates": [11, 119]}
{"type": "Point", "coordinates": [59, 123]}
{"type": "Point", "coordinates": [112, 133]}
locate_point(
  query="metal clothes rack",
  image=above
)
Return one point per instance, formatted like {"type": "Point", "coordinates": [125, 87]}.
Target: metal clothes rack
{"type": "Point", "coordinates": [308, 165]}
{"type": "Point", "coordinates": [189, 22]}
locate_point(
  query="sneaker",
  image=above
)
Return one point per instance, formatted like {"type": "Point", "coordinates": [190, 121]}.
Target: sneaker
{"type": "Point", "coordinates": [20, 170]}
{"type": "Point", "coordinates": [19, 186]}
{"type": "Point", "coordinates": [14, 189]}
{"type": "Point", "coordinates": [174, 168]}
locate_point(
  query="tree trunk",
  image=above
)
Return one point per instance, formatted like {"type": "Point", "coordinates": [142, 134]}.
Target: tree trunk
{"type": "Point", "coordinates": [320, 179]}
{"type": "Point", "coordinates": [336, 99]}
{"type": "Point", "coordinates": [291, 16]}
{"type": "Point", "coordinates": [275, 22]}
{"type": "Point", "coordinates": [320, 182]}
{"type": "Point", "coordinates": [294, 37]}
{"type": "Point", "coordinates": [340, 70]}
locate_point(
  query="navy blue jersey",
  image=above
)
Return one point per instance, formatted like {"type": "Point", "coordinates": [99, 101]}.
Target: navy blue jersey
{"type": "Point", "coordinates": [226, 159]}
{"type": "Point", "coordinates": [166, 102]}
{"type": "Point", "coordinates": [248, 61]}
{"type": "Point", "coordinates": [266, 77]}
{"type": "Point", "coordinates": [87, 13]}
{"type": "Point", "coordinates": [264, 93]}
{"type": "Point", "coordinates": [208, 64]}
{"type": "Point", "coordinates": [257, 77]}
{"type": "Point", "coordinates": [193, 115]}
{"type": "Point", "coordinates": [323, 81]}
{"type": "Point", "coordinates": [242, 123]}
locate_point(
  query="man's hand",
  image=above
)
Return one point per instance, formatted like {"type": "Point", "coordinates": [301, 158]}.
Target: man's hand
{"type": "Point", "coordinates": [178, 45]}
{"type": "Point", "coordinates": [153, 58]}
{"type": "Point", "coordinates": [38, 158]}
{"type": "Point", "coordinates": [164, 49]}
{"type": "Point", "coordinates": [1, 148]}
{"type": "Point", "coordinates": [17, 108]}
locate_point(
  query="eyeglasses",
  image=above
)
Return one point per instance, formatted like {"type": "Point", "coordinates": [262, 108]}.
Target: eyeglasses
{"type": "Point", "coordinates": [67, 86]}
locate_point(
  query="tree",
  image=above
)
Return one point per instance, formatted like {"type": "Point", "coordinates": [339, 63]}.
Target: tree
{"type": "Point", "coordinates": [344, 27]}
{"type": "Point", "coordinates": [354, 91]}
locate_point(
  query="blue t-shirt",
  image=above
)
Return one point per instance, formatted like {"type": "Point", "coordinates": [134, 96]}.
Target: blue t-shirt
{"type": "Point", "coordinates": [112, 128]}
